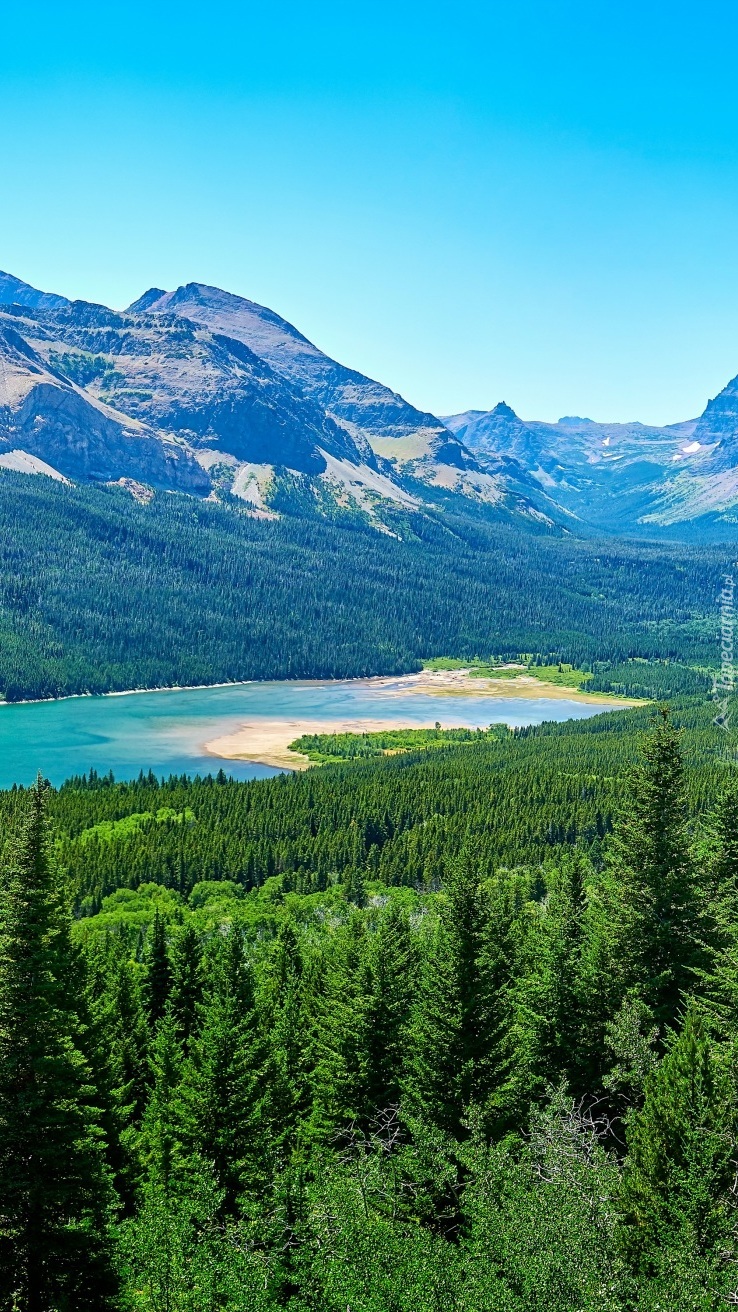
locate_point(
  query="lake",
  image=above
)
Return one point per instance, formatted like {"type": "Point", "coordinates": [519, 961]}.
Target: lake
{"type": "Point", "coordinates": [166, 731]}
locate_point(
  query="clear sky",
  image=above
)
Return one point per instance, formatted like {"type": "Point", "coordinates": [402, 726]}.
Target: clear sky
{"type": "Point", "coordinates": [534, 201]}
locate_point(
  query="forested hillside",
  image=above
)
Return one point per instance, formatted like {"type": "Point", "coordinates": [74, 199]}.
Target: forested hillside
{"type": "Point", "coordinates": [99, 593]}
{"type": "Point", "coordinates": [447, 1030]}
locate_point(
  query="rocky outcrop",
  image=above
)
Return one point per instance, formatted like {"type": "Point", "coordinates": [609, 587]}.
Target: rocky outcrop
{"type": "Point", "coordinates": [13, 291]}
{"type": "Point", "coordinates": [50, 419]}
{"type": "Point", "coordinates": [366, 407]}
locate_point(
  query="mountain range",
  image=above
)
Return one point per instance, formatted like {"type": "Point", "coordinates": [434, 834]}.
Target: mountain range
{"type": "Point", "coordinates": [207, 393]}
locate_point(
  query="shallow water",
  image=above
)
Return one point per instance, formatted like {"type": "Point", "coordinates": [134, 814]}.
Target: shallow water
{"type": "Point", "coordinates": [166, 731]}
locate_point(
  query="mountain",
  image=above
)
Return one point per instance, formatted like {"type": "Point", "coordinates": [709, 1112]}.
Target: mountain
{"type": "Point", "coordinates": [15, 292]}
{"type": "Point", "coordinates": [50, 425]}
{"type": "Point", "coordinates": [366, 408]}
{"type": "Point", "coordinates": [201, 391]}
{"type": "Point", "coordinates": [629, 477]}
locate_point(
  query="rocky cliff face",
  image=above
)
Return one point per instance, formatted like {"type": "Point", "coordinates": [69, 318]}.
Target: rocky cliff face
{"type": "Point", "coordinates": [49, 418]}
{"type": "Point", "coordinates": [367, 408]}
{"type": "Point", "coordinates": [624, 477]}
{"type": "Point", "coordinates": [235, 388]}
{"type": "Point", "coordinates": [201, 391]}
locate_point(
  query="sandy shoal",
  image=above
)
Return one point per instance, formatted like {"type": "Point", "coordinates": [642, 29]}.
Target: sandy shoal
{"type": "Point", "coordinates": [448, 682]}
{"type": "Point", "coordinates": [266, 741]}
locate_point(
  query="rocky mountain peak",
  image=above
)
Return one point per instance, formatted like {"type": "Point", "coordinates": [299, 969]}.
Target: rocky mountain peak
{"type": "Point", "coordinates": [13, 291]}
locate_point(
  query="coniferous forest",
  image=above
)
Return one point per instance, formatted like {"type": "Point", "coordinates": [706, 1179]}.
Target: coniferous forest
{"type": "Point", "coordinates": [99, 593]}
{"type": "Point", "coordinates": [451, 1029]}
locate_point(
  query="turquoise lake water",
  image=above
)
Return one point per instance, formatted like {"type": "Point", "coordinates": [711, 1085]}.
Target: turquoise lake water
{"type": "Point", "coordinates": [166, 731]}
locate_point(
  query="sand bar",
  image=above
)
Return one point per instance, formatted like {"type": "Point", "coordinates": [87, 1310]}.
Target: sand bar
{"type": "Point", "coordinates": [266, 740]}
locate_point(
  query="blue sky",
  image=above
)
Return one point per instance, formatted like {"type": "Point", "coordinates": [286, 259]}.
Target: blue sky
{"type": "Point", "coordinates": [531, 201]}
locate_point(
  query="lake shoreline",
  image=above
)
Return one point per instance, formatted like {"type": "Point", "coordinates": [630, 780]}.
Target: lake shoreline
{"type": "Point", "coordinates": [446, 683]}
{"type": "Point", "coordinates": [265, 740]}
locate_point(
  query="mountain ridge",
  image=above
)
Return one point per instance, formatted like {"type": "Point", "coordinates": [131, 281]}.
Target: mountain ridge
{"type": "Point", "coordinates": [201, 390]}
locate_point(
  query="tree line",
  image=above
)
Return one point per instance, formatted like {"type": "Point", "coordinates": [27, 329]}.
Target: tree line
{"type": "Point", "coordinates": [99, 593]}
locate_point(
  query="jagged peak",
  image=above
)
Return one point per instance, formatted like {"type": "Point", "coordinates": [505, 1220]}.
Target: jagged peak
{"type": "Point", "coordinates": [503, 411]}
{"type": "Point", "coordinates": [145, 302]}
{"type": "Point", "coordinates": [14, 291]}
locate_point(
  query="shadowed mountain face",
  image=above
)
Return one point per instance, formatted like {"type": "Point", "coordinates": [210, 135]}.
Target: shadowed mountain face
{"type": "Point", "coordinates": [45, 416]}
{"type": "Point", "coordinates": [366, 407]}
{"type": "Point", "coordinates": [179, 378]}
{"type": "Point", "coordinates": [15, 292]}
{"type": "Point", "coordinates": [202, 391]}
{"type": "Point", "coordinates": [233, 395]}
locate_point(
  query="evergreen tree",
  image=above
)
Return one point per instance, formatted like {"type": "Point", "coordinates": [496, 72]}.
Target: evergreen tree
{"type": "Point", "coordinates": [721, 866]}
{"type": "Point", "coordinates": [340, 1035]}
{"type": "Point", "coordinates": [546, 1030]}
{"type": "Point", "coordinates": [158, 970]}
{"type": "Point", "coordinates": [222, 1097]}
{"type": "Point", "coordinates": [186, 984]}
{"type": "Point", "coordinates": [290, 1040]}
{"type": "Point", "coordinates": [55, 1196]}
{"type": "Point", "coordinates": [657, 911]}
{"type": "Point", "coordinates": [676, 1188]}
{"type": "Point", "coordinates": [161, 1130]}
{"type": "Point", "coordinates": [390, 986]}
{"type": "Point", "coordinates": [454, 1031]}
{"type": "Point", "coordinates": [118, 1048]}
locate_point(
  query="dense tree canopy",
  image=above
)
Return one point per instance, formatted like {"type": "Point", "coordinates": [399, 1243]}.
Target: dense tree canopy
{"type": "Point", "coordinates": [291, 1052]}
{"type": "Point", "coordinates": [99, 593]}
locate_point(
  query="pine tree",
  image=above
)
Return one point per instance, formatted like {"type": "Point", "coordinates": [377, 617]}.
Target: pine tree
{"type": "Point", "coordinates": [186, 984]}
{"type": "Point", "coordinates": [222, 1096]}
{"type": "Point", "coordinates": [340, 1035]}
{"type": "Point", "coordinates": [657, 907]}
{"type": "Point", "coordinates": [454, 1031]}
{"type": "Point", "coordinates": [290, 1040]}
{"type": "Point", "coordinates": [55, 1194]}
{"type": "Point", "coordinates": [118, 1050]}
{"type": "Point", "coordinates": [676, 1188]}
{"type": "Point", "coordinates": [158, 970]}
{"type": "Point", "coordinates": [546, 1025]}
{"type": "Point", "coordinates": [721, 865]}
{"type": "Point", "coordinates": [391, 981]}
{"type": "Point", "coordinates": [161, 1130]}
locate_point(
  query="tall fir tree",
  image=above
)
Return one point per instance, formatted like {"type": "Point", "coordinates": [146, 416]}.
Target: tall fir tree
{"type": "Point", "coordinates": [721, 866]}
{"type": "Point", "coordinates": [160, 1139]}
{"type": "Point", "coordinates": [454, 1033]}
{"type": "Point", "coordinates": [390, 983]}
{"type": "Point", "coordinates": [679, 1171]}
{"type": "Point", "coordinates": [654, 904]}
{"type": "Point", "coordinates": [186, 984]}
{"type": "Point", "coordinates": [55, 1193]}
{"type": "Point", "coordinates": [546, 1027]}
{"type": "Point", "coordinates": [158, 977]}
{"type": "Point", "coordinates": [222, 1098]}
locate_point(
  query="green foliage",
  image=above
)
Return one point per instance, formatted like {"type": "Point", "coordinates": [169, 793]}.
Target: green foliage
{"type": "Point", "coordinates": [445, 1030]}
{"type": "Point", "coordinates": [332, 747]}
{"type": "Point", "coordinates": [83, 368]}
{"type": "Point", "coordinates": [55, 1195]}
{"type": "Point", "coordinates": [657, 920]}
{"type": "Point", "coordinates": [676, 1191]}
{"type": "Point", "coordinates": [213, 594]}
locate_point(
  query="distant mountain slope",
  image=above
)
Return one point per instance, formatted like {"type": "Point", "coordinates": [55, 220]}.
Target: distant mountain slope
{"type": "Point", "coordinates": [200, 390]}
{"type": "Point", "coordinates": [258, 431]}
{"type": "Point", "coordinates": [624, 477]}
{"type": "Point", "coordinates": [367, 407]}
{"type": "Point", "coordinates": [15, 292]}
